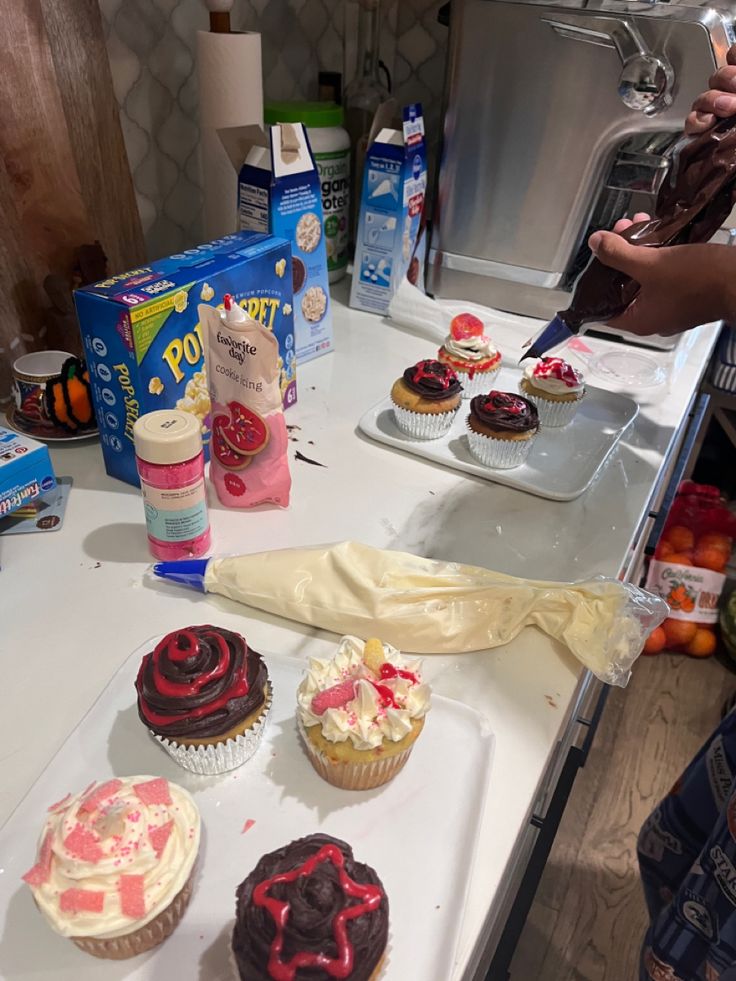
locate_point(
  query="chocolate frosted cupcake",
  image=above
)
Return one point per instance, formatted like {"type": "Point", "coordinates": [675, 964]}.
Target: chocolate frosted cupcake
{"type": "Point", "coordinates": [425, 400]}
{"type": "Point", "coordinates": [204, 695]}
{"type": "Point", "coordinates": [556, 388]}
{"type": "Point", "coordinates": [501, 429]}
{"type": "Point", "coordinates": [310, 912]}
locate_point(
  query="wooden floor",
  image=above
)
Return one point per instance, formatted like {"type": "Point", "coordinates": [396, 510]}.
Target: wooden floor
{"type": "Point", "coordinates": [589, 917]}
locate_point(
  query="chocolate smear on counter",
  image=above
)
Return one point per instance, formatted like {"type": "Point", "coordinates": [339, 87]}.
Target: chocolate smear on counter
{"type": "Point", "coordinates": [305, 459]}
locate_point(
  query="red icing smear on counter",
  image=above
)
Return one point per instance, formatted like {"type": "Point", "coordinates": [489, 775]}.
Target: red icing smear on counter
{"type": "Point", "coordinates": [559, 369]}
{"type": "Point", "coordinates": [337, 967]}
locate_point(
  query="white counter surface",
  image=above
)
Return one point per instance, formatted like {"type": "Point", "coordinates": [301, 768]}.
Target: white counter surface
{"type": "Point", "coordinates": [74, 604]}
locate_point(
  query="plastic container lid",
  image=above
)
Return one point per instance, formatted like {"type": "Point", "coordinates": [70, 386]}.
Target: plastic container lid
{"type": "Point", "coordinates": [167, 436]}
{"type": "Point", "coordinates": [316, 114]}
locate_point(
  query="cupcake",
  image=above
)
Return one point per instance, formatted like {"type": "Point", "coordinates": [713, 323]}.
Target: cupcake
{"type": "Point", "coordinates": [361, 712]}
{"type": "Point", "coordinates": [556, 388]}
{"type": "Point", "coordinates": [115, 865]}
{"type": "Point", "coordinates": [205, 696]}
{"type": "Point", "coordinates": [501, 429]}
{"type": "Point", "coordinates": [425, 400]}
{"type": "Point", "coordinates": [470, 354]}
{"type": "Point", "coordinates": [309, 910]}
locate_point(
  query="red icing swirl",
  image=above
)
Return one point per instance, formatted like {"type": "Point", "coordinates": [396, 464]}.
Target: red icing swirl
{"type": "Point", "coordinates": [505, 411]}
{"type": "Point", "coordinates": [559, 369]}
{"type": "Point", "coordinates": [432, 380]}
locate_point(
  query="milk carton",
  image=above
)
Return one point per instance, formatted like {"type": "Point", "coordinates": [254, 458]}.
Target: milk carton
{"type": "Point", "coordinates": [391, 209]}
{"type": "Point", "coordinates": [279, 191]}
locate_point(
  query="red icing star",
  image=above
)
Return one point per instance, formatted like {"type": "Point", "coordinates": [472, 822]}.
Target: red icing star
{"type": "Point", "coordinates": [341, 966]}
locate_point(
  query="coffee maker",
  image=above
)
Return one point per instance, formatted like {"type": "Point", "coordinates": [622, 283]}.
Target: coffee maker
{"type": "Point", "coordinates": [560, 118]}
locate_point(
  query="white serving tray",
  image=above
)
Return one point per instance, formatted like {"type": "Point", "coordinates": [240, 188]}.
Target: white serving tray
{"type": "Point", "coordinates": [562, 464]}
{"type": "Point", "coordinates": [419, 832]}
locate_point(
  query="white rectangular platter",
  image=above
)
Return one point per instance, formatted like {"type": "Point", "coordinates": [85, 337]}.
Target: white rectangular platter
{"type": "Point", "coordinates": [419, 832]}
{"type": "Point", "coordinates": [562, 464]}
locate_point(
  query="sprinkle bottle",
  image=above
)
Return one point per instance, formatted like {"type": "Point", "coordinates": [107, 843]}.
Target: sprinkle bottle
{"type": "Point", "coordinates": [170, 461]}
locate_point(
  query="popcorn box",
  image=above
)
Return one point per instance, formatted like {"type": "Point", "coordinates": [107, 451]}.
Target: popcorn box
{"type": "Point", "coordinates": [391, 208]}
{"type": "Point", "coordinates": [279, 191]}
{"type": "Point", "coordinates": [145, 346]}
{"type": "Point", "coordinates": [25, 471]}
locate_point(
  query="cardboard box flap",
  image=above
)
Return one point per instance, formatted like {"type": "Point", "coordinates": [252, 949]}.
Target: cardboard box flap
{"type": "Point", "coordinates": [290, 150]}
{"type": "Point", "coordinates": [238, 141]}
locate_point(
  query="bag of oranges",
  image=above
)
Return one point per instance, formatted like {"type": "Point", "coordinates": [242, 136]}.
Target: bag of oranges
{"type": "Point", "coordinates": [688, 570]}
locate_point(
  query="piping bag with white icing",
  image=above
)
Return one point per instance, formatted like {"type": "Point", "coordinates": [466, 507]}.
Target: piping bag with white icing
{"type": "Point", "coordinates": [426, 606]}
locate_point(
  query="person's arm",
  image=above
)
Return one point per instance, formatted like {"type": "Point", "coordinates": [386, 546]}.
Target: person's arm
{"type": "Point", "coordinates": [684, 285]}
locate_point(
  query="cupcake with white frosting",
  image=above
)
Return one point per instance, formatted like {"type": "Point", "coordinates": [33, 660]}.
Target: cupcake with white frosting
{"type": "Point", "coordinates": [361, 712]}
{"type": "Point", "coordinates": [115, 865]}
{"type": "Point", "coordinates": [556, 388]}
{"type": "Point", "coordinates": [470, 354]}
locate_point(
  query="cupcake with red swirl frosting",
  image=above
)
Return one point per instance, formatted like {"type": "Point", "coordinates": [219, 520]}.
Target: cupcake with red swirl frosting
{"type": "Point", "coordinates": [556, 388]}
{"type": "Point", "coordinates": [470, 354]}
{"type": "Point", "coordinates": [361, 712]}
{"type": "Point", "coordinates": [310, 911]}
{"type": "Point", "coordinates": [115, 865]}
{"type": "Point", "coordinates": [501, 429]}
{"type": "Point", "coordinates": [204, 696]}
{"type": "Point", "coordinates": [426, 399]}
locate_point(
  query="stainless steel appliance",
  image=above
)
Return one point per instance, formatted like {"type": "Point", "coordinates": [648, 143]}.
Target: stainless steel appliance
{"type": "Point", "coordinates": [558, 119]}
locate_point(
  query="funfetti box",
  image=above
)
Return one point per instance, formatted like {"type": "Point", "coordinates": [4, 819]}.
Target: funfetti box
{"type": "Point", "coordinates": [25, 471]}
{"type": "Point", "coordinates": [391, 208]}
{"type": "Point", "coordinates": [279, 191]}
{"type": "Point", "coordinates": [144, 343]}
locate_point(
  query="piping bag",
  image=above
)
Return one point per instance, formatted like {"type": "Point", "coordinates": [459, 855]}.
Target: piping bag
{"type": "Point", "coordinates": [691, 206]}
{"type": "Point", "coordinates": [426, 606]}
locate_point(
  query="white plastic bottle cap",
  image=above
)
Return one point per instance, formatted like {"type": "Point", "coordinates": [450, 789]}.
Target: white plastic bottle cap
{"type": "Point", "coordinates": [167, 436]}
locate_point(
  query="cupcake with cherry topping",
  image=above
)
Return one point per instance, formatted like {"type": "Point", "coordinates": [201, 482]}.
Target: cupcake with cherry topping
{"type": "Point", "coordinates": [501, 429]}
{"type": "Point", "coordinates": [115, 865]}
{"type": "Point", "coordinates": [470, 354]}
{"type": "Point", "coordinates": [556, 388]}
{"type": "Point", "coordinates": [426, 399]}
{"type": "Point", "coordinates": [204, 696]}
{"type": "Point", "coordinates": [309, 910]}
{"type": "Point", "coordinates": [361, 712]}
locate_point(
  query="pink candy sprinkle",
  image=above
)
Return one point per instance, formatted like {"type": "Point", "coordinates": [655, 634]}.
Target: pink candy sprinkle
{"type": "Point", "coordinates": [60, 803]}
{"type": "Point", "coordinates": [248, 825]}
{"type": "Point", "coordinates": [159, 836]}
{"type": "Point", "coordinates": [81, 901]}
{"type": "Point", "coordinates": [132, 898]}
{"type": "Point", "coordinates": [336, 697]}
{"type": "Point", "coordinates": [104, 791]}
{"type": "Point", "coordinates": [153, 791]}
{"type": "Point", "coordinates": [42, 869]}
{"type": "Point", "coordinates": [84, 844]}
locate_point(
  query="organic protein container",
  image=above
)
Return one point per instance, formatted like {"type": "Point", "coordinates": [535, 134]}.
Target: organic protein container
{"type": "Point", "coordinates": [330, 145]}
{"type": "Point", "coordinates": [170, 461]}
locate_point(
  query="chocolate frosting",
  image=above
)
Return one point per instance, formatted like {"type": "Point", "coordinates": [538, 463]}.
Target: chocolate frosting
{"type": "Point", "coordinates": [505, 412]}
{"type": "Point", "coordinates": [432, 380]}
{"type": "Point", "coordinates": [200, 707]}
{"type": "Point", "coordinates": [313, 902]}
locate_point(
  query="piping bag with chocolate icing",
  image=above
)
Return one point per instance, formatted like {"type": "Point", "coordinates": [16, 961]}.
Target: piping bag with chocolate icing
{"type": "Point", "coordinates": [691, 206]}
{"type": "Point", "coordinates": [425, 606]}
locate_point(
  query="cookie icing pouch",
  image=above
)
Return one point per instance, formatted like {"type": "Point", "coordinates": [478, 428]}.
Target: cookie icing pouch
{"type": "Point", "coordinates": [249, 462]}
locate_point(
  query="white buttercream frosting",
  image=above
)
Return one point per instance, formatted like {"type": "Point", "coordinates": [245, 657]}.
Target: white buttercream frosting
{"type": "Point", "coordinates": [470, 348]}
{"type": "Point", "coordinates": [363, 719]}
{"type": "Point", "coordinates": [555, 376]}
{"type": "Point", "coordinates": [113, 836]}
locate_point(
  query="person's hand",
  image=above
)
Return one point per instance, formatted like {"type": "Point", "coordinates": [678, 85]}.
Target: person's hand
{"type": "Point", "coordinates": [682, 286]}
{"type": "Point", "coordinates": [718, 102]}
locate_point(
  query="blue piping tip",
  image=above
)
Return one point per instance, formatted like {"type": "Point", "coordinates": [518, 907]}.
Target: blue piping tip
{"type": "Point", "coordinates": [187, 572]}
{"type": "Point", "coordinates": [555, 333]}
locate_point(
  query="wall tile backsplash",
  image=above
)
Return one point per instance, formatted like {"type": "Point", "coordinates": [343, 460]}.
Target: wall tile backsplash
{"type": "Point", "coordinates": [152, 44]}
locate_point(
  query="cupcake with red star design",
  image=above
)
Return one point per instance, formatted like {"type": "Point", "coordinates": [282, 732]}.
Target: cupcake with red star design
{"type": "Point", "coordinates": [361, 712]}
{"type": "Point", "coordinates": [204, 695]}
{"type": "Point", "coordinates": [115, 865]}
{"type": "Point", "coordinates": [426, 399]}
{"type": "Point", "coordinates": [556, 388]}
{"type": "Point", "coordinates": [309, 910]}
{"type": "Point", "coordinates": [501, 429]}
{"type": "Point", "coordinates": [470, 354]}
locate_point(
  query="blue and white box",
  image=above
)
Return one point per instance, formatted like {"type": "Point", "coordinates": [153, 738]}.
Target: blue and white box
{"type": "Point", "coordinates": [391, 208]}
{"type": "Point", "coordinates": [25, 471]}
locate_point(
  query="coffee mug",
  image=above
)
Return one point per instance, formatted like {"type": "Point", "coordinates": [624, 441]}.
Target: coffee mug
{"type": "Point", "coordinates": [31, 372]}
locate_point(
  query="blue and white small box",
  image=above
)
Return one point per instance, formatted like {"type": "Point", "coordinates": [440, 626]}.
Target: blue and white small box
{"type": "Point", "coordinates": [25, 471]}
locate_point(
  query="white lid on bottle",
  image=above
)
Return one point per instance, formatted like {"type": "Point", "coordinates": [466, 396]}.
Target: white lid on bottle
{"type": "Point", "coordinates": [167, 436]}
{"type": "Point", "coordinates": [234, 313]}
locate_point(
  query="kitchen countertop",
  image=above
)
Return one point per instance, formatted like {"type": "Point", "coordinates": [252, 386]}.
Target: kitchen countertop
{"type": "Point", "coordinates": [76, 603]}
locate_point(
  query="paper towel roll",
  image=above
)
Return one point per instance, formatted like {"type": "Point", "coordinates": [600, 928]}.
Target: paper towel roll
{"type": "Point", "coordinates": [230, 94]}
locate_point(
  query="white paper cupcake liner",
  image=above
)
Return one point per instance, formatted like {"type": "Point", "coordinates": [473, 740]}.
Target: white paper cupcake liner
{"type": "Point", "coordinates": [501, 454]}
{"type": "Point", "coordinates": [423, 425]}
{"type": "Point", "coordinates": [553, 414]}
{"type": "Point", "coordinates": [480, 384]}
{"type": "Point", "coordinates": [220, 757]}
{"type": "Point", "coordinates": [354, 776]}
